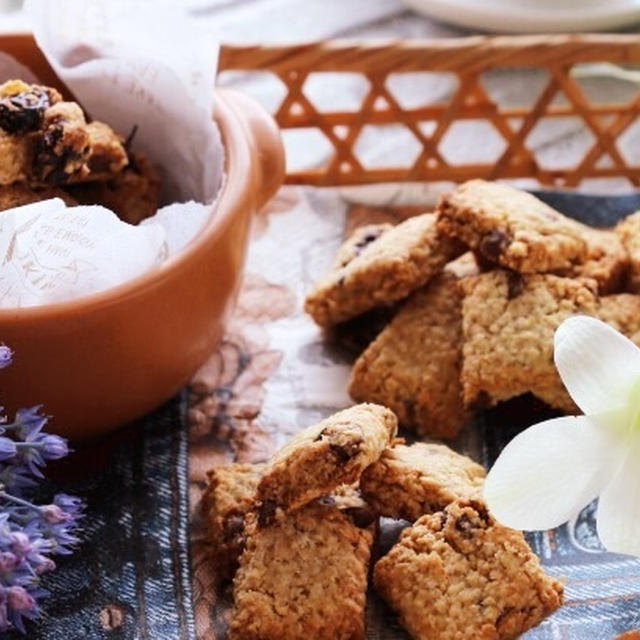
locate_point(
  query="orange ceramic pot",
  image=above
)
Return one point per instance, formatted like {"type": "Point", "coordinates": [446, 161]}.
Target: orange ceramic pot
{"type": "Point", "coordinates": [103, 360]}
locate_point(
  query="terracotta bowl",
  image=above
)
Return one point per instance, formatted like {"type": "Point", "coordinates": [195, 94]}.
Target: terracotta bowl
{"type": "Point", "coordinates": [103, 360]}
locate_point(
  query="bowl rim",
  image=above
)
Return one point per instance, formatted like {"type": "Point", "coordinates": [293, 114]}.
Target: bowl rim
{"type": "Point", "coordinates": [236, 153]}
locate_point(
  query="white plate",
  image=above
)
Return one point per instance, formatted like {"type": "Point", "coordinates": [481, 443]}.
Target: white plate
{"type": "Point", "coordinates": [532, 16]}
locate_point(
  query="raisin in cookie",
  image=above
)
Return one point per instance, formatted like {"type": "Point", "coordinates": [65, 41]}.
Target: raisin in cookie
{"type": "Point", "coordinates": [384, 270]}
{"type": "Point", "coordinates": [458, 574]}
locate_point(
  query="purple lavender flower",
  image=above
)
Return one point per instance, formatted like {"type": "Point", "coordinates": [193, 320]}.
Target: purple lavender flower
{"type": "Point", "coordinates": [20, 604]}
{"type": "Point", "coordinates": [15, 478]}
{"type": "Point", "coordinates": [53, 514]}
{"type": "Point", "coordinates": [5, 356]}
{"type": "Point", "coordinates": [70, 504]}
{"type": "Point", "coordinates": [29, 533]}
{"type": "Point", "coordinates": [53, 447]}
{"type": "Point", "coordinates": [39, 447]}
{"type": "Point", "coordinates": [8, 562]}
{"type": "Point", "coordinates": [8, 449]}
{"type": "Point", "coordinates": [28, 422]}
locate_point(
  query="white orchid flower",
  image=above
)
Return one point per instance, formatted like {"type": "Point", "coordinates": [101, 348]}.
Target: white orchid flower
{"type": "Point", "coordinates": [548, 473]}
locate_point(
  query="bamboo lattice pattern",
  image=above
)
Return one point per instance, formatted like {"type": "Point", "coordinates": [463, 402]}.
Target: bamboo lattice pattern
{"type": "Point", "coordinates": [467, 60]}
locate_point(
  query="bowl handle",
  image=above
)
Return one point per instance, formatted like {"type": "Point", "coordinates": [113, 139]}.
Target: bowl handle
{"type": "Point", "coordinates": [266, 141]}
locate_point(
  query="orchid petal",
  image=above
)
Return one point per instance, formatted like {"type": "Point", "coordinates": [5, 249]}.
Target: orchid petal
{"type": "Point", "coordinates": [550, 471]}
{"type": "Point", "coordinates": [597, 364]}
{"type": "Point", "coordinates": [618, 516]}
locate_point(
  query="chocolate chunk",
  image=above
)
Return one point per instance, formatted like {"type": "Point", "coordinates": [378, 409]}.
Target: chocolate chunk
{"type": "Point", "coordinates": [366, 240]}
{"type": "Point", "coordinates": [493, 244]}
{"type": "Point", "coordinates": [465, 526]}
{"type": "Point", "coordinates": [344, 453]}
{"type": "Point", "coordinates": [266, 512]}
{"type": "Point", "coordinates": [515, 285]}
{"type": "Point", "coordinates": [362, 517]}
{"type": "Point", "coordinates": [99, 163]}
{"type": "Point", "coordinates": [50, 161]}
{"type": "Point", "coordinates": [481, 509]}
{"type": "Point", "coordinates": [24, 111]}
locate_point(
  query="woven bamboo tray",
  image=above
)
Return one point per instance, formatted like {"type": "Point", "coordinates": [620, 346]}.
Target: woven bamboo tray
{"type": "Point", "coordinates": [468, 60]}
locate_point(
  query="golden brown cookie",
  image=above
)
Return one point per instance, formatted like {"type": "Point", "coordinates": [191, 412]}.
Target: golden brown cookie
{"type": "Point", "coordinates": [303, 576]}
{"type": "Point", "coordinates": [458, 574]}
{"type": "Point", "coordinates": [384, 270]}
{"type": "Point", "coordinates": [511, 227]}
{"type": "Point", "coordinates": [410, 481]}
{"type": "Point", "coordinates": [230, 494]}
{"type": "Point", "coordinates": [322, 457]}
{"type": "Point", "coordinates": [413, 366]}
{"type": "Point", "coordinates": [508, 322]}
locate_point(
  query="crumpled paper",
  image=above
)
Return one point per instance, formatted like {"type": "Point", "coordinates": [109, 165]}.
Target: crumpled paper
{"type": "Point", "coordinates": [130, 64]}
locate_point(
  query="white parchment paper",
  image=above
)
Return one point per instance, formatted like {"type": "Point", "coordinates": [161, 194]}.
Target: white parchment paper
{"type": "Point", "coordinates": [130, 64]}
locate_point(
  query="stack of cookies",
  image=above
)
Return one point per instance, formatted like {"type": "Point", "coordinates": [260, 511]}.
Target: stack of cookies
{"type": "Point", "coordinates": [481, 285]}
{"type": "Point", "coordinates": [296, 534]}
{"type": "Point", "coordinates": [48, 149]}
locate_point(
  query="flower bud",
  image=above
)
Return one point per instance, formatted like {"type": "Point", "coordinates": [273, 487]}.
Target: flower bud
{"type": "Point", "coordinates": [54, 447]}
{"type": "Point", "coordinates": [18, 598]}
{"type": "Point", "coordinates": [5, 356]}
{"type": "Point", "coordinates": [42, 564]}
{"type": "Point", "coordinates": [20, 543]}
{"type": "Point", "coordinates": [8, 562]}
{"type": "Point", "coordinates": [53, 514]}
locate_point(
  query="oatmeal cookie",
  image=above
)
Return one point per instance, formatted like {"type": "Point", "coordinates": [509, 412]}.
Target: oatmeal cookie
{"type": "Point", "coordinates": [386, 269]}
{"type": "Point", "coordinates": [628, 230]}
{"type": "Point", "coordinates": [47, 141]}
{"type": "Point", "coordinates": [459, 574]}
{"type": "Point", "coordinates": [325, 456]}
{"type": "Point", "coordinates": [413, 366]}
{"type": "Point", "coordinates": [511, 227]}
{"type": "Point", "coordinates": [408, 482]}
{"type": "Point", "coordinates": [133, 194]}
{"type": "Point", "coordinates": [303, 576]}
{"type": "Point", "coordinates": [508, 322]}
{"type": "Point", "coordinates": [229, 496]}
{"type": "Point", "coordinates": [71, 150]}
